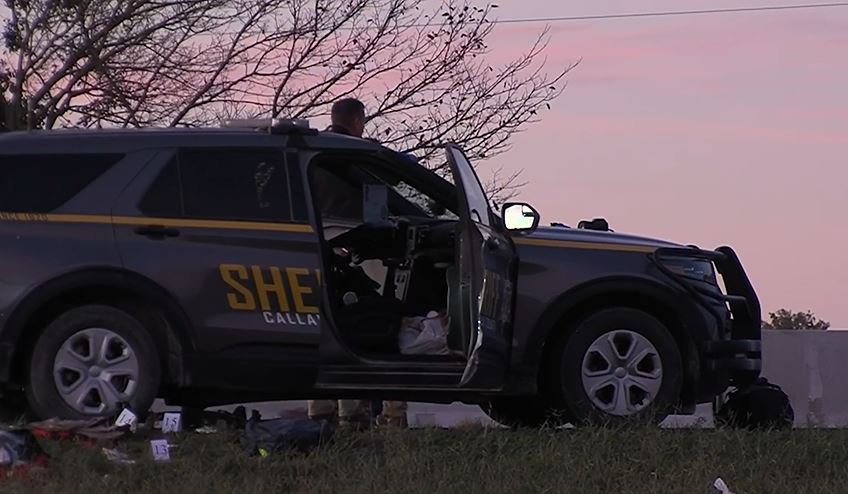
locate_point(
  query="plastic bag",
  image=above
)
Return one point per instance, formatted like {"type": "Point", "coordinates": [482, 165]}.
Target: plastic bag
{"type": "Point", "coordinates": [264, 437]}
{"type": "Point", "coordinates": [424, 335]}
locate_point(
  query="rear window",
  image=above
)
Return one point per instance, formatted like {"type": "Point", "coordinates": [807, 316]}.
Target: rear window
{"type": "Point", "coordinates": [240, 184]}
{"type": "Point", "coordinates": [244, 184]}
{"type": "Point", "coordinates": [42, 183]}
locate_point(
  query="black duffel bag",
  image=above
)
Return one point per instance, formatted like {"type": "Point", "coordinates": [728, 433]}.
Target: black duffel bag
{"type": "Point", "coordinates": [266, 437]}
{"type": "Point", "coordinates": [762, 405]}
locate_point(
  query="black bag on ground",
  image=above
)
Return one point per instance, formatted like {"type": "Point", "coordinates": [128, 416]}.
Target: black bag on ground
{"type": "Point", "coordinates": [762, 405]}
{"type": "Point", "coordinates": [264, 437]}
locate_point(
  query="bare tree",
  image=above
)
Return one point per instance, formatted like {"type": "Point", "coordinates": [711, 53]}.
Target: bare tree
{"type": "Point", "coordinates": [423, 74]}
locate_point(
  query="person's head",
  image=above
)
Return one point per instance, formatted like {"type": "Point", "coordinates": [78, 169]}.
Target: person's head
{"type": "Point", "coordinates": [350, 114]}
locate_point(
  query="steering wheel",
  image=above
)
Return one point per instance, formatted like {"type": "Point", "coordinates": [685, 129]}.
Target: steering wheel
{"type": "Point", "coordinates": [373, 240]}
{"type": "Point", "coordinates": [350, 278]}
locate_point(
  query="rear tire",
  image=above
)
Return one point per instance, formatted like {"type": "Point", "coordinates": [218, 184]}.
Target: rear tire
{"type": "Point", "coordinates": [619, 365]}
{"type": "Point", "coordinates": [89, 361]}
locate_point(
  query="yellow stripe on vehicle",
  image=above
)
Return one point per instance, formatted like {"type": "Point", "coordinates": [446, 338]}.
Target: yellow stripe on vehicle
{"type": "Point", "coordinates": [168, 222]}
{"type": "Point", "coordinates": [570, 244]}
{"type": "Point", "coordinates": [222, 224]}
{"type": "Point", "coordinates": [78, 218]}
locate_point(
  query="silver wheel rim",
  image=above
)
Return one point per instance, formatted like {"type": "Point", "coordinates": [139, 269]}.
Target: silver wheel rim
{"type": "Point", "coordinates": [95, 370]}
{"type": "Point", "coordinates": [622, 372]}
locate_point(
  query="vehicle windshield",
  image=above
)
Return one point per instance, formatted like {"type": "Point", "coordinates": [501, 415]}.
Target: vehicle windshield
{"type": "Point", "coordinates": [410, 189]}
{"type": "Point", "coordinates": [416, 198]}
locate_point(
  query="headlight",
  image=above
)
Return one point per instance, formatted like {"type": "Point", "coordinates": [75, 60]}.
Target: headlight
{"type": "Point", "coordinates": [697, 269]}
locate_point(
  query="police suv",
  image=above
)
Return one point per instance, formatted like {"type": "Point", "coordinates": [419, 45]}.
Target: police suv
{"type": "Point", "coordinates": [268, 260]}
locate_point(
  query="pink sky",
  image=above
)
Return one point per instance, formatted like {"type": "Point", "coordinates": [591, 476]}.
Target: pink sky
{"type": "Point", "coordinates": [717, 129]}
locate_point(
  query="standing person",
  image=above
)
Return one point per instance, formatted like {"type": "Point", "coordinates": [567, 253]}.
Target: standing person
{"type": "Point", "coordinates": [347, 117]}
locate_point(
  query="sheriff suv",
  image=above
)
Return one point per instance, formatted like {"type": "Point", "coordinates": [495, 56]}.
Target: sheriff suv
{"type": "Point", "coordinates": [267, 260]}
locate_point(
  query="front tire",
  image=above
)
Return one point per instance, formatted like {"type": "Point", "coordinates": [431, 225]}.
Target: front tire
{"type": "Point", "coordinates": [90, 361]}
{"type": "Point", "coordinates": [618, 365]}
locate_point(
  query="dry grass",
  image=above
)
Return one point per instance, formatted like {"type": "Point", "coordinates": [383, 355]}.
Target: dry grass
{"type": "Point", "coordinates": [470, 460]}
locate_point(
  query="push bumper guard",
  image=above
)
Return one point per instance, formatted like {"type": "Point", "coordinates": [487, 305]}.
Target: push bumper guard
{"type": "Point", "coordinates": [741, 354]}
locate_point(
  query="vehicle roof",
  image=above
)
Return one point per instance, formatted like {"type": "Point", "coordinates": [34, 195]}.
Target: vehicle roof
{"type": "Point", "coordinates": [126, 140]}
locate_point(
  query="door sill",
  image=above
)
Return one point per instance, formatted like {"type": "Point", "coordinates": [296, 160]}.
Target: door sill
{"type": "Point", "coordinates": [391, 376]}
{"type": "Point", "coordinates": [387, 387]}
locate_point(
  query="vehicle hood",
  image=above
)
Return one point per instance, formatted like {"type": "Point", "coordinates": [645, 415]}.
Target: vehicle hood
{"type": "Point", "coordinates": [597, 237]}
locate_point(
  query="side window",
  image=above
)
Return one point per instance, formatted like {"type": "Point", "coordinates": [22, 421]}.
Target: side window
{"type": "Point", "coordinates": [42, 183]}
{"type": "Point", "coordinates": [239, 184]}
{"type": "Point", "coordinates": [338, 191]}
{"type": "Point", "coordinates": [338, 184]}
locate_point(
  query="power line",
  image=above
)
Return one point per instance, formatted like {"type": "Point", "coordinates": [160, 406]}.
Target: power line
{"type": "Point", "coordinates": [669, 13]}
{"type": "Point", "coordinates": [627, 15]}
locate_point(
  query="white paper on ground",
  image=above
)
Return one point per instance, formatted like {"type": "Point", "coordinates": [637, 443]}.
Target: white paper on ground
{"type": "Point", "coordinates": [721, 486]}
{"type": "Point", "coordinates": [116, 456]}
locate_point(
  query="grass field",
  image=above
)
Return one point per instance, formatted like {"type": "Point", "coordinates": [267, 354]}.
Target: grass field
{"type": "Point", "coordinates": [470, 460]}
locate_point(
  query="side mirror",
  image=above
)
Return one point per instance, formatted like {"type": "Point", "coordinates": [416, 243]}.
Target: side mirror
{"type": "Point", "coordinates": [520, 217]}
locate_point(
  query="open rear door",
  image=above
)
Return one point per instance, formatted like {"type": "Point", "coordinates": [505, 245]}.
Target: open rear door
{"type": "Point", "coordinates": [487, 262]}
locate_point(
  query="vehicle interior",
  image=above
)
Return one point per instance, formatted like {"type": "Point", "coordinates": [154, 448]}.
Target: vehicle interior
{"type": "Point", "coordinates": [390, 256]}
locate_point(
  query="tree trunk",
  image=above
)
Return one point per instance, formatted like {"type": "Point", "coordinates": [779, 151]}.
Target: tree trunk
{"type": "Point", "coordinates": [5, 115]}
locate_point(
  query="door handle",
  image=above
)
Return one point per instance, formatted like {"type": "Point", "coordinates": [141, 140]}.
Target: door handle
{"type": "Point", "coordinates": [157, 231]}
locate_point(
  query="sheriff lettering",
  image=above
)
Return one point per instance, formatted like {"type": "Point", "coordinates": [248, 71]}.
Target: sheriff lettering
{"type": "Point", "coordinates": [286, 296]}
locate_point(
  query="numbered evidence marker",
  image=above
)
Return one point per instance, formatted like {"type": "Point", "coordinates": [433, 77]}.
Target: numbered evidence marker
{"type": "Point", "coordinates": [172, 422]}
{"type": "Point", "coordinates": [161, 450]}
{"type": "Point", "coordinates": [126, 418]}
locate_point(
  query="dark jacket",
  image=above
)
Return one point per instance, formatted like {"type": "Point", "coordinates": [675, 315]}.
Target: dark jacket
{"type": "Point", "coordinates": [339, 129]}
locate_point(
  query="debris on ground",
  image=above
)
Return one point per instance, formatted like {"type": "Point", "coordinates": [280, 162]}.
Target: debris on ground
{"type": "Point", "coordinates": [116, 456]}
{"type": "Point", "coordinates": [19, 453]}
{"type": "Point", "coordinates": [20, 449]}
{"type": "Point", "coordinates": [89, 431]}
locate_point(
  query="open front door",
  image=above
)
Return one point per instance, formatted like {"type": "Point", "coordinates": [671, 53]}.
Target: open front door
{"type": "Point", "coordinates": [487, 262]}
